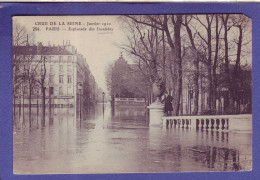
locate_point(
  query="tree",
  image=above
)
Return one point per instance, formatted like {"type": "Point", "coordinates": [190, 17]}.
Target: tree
{"type": "Point", "coordinates": [146, 45]}
{"type": "Point", "coordinates": [21, 37]}
{"type": "Point", "coordinates": [240, 22]}
{"type": "Point", "coordinates": [41, 81]}
{"type": "Point", "coordinates": [161, 22]}
{"type": "Point", "coordinates": [217, 44]}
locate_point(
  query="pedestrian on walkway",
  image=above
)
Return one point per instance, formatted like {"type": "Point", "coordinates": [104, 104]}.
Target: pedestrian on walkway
{"type": "Point", "coordinates": [167, 104]}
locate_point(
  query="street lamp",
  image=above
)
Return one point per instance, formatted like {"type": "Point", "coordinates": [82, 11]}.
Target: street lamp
{"type": "Point", "coordinates": [103, 94]}
{"type": "Point", "coordinates": [80, 87]}
{"type": "Point", "coordinates": [37, 103]}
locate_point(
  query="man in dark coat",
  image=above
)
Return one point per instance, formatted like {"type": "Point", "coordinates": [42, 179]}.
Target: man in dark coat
{"type": "Point", "coordinates": [168, 103]}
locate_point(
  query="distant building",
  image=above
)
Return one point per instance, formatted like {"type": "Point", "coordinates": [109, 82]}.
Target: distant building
{"type": "Point", "coordinates": [127, 82]}
{"type": "Point", "coordinates": [68, 80]}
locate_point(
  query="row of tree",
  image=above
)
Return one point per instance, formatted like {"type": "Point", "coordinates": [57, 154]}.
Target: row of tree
{"type": "Point", "coordinates": [26, 76]}
{"type": "Point", "coordinates": [221, 50]}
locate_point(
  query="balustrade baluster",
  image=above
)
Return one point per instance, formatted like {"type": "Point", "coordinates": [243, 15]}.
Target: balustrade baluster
{"type": "Point", "coordinates": [183, 122]}
{"type": "Point", "coordinates": [207, 124]}
{"type": "Point", "coordinates": [223, 124]}
{"type": "Point", "coordinates": [217, 122]}
{"type": "Point", "coordinates": [227, 126]}
{"type": "Point", "coordinates": [212, 123]}
{"type": "Point", "coordinates": [187, 124]}
{"type": "Point", "coordinates": [202, 123]}
{"type": "Point", "coordinates": [167, 123]}
{"type": "Point", "coordinates": [197, 123]}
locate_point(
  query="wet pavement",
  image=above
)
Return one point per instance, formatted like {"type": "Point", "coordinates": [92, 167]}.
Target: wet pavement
{"type": "Point", "coordinates": [121, 141]}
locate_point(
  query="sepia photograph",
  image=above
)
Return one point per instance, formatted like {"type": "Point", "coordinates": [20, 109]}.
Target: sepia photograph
{"type": "Point", "coordinates": [99, 94]}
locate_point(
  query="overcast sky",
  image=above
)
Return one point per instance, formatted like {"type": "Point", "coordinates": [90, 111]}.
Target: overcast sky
{"type": "Point", "coordinates": [98, 47]}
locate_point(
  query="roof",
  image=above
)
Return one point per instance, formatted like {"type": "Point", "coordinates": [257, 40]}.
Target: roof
{"type": "Point", "coordinates": [41, 50]}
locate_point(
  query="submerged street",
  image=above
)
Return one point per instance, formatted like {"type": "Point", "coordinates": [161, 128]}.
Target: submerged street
{"type": "Point", "coordinates": [121, 141]}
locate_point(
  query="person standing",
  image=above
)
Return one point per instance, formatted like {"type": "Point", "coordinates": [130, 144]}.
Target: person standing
{"type": "Point", "coordinates": [167, 104]}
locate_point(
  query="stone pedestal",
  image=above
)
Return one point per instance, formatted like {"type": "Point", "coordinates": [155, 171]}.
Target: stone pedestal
{"type": "Point", "coordinates": [156, 113]}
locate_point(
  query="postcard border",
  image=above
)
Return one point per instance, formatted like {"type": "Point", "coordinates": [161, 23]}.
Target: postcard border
{"type": "Point", "coordinates": [7, 10]}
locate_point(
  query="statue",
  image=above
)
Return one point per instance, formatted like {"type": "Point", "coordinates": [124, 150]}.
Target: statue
{"type": "Point", "coordinates": [158, 88]}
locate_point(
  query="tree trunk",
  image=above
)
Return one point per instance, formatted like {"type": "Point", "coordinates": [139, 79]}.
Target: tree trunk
{"type": "Point", "coordinates": [43, 105]}
{"type": "Point", "coordinates": [23, 107]}
{"type": "Point", "coordinates": [43, 91]}
{"type": "Point", "coordinates": [196, 64]}
{"type": "Point", "coordinates": [214, 85]}
{"type": "Point", "coordinates": [196, 86]}
{"type": "Point", "coordinates": [209, 64]}
{"type": "Point", "coordinates": [227, 75]}
{"type": "Point", "coordinates": [236, 77]}
{"type": "Point", "coordinates": [30, 106]}
{"type": "Point", "coordinates": [177, 37]}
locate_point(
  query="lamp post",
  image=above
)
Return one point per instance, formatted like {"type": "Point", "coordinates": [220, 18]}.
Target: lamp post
{"type": "Point", "coordinates": [103, 94]}
{"type": "Point", "coordinates": [37, 103]}
{"type": "Point", "coordinates": [80, 87]}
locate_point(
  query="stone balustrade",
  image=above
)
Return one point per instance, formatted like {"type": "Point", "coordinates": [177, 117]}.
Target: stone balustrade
{"type": "Point", "coordinates": [241, 122]}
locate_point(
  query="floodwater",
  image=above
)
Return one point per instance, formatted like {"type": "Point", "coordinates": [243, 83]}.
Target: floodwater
{"type": "Point", "coordinates": [120, 141]}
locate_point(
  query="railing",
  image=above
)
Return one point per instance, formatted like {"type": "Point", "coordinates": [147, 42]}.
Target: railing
{"type": "Point", "coordinates": [200, 123]}
{"type": "Point", "coordinates": [129, 99]}
{"type": "Point", "coordinates": [216, 123]}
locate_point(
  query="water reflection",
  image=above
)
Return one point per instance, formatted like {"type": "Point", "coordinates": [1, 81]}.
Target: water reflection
{"type": "Point", "coordinates": [215, 157]}
{"type": "Point", "coordinates": [107, 140]}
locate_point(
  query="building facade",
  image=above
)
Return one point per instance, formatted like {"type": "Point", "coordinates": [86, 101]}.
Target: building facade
{"type": "Point", "coordinates": [60, 71]}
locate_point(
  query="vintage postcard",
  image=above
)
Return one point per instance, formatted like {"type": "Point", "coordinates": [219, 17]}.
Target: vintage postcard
{"type": "Point", "coordinates": [132, 93]}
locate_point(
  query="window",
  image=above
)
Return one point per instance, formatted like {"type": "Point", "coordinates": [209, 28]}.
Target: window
{"type": "Point", "coordinates": [69, 79]}
{"type": "Point", "coordinates": [61, 79]}
{"type": "Point", "coordinates": [69, 68]}
{"type": "Point", "coordinates": [51, 69]}
{"type": "Point", "coordinates": [61, 68]}
{"type": "Point", "coordinates": [51, 90]}
{"type": "Point", "coordinates": [60, 91]}
{"type": "Point", "coordinates": [60, 58]}
{"type": "Point", "coordinates": [69, 90]}
{"type": "Point", "coordinates": [69, 58]}
{"type": "Point", "coordinates": [51, 79]}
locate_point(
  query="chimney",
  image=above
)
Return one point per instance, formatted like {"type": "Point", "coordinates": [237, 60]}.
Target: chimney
{"type": "Point", "coordinates": [49, 43]}
{"type": "Point", "coordinates": [27, 41]}
{"type": "Point", "coordinates": [39, 47]}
